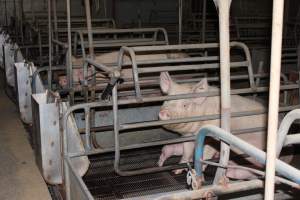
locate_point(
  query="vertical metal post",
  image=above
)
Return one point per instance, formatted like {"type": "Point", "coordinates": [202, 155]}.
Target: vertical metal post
{"type": "Point", "coordinates": [105, 8]}
{"type": "Point", "coordinates": [224, 7]}
{"type": "Point", "coordinates": [277, 23]}
{"type": "Point", "coordinates": [32, 11]}
{"type": "Point", "coordinates": [298, 67]}
{"type": "Point", "coordinates": [5, 10]}
{"type": "Point", "coordinates": [179, 21]}
{"type": "Point", "coordinates": [21, 21]}
{"type": "Point", "coordinates": [87, 128]}
{"type": "Point", "coordinates": [40, 47]}
{"type": "Point", "coordinates": [55, 24]}
{"type": "Point", "coordinates": [70, 81]}
{"type": "Point", "coordinates": [16, 22]}
{"type": "Point", "coordinates": [69, 52]}
{"type": "Point", "coordinates": [50, 45]}
{"type": "Point", "coordinates": [203, 21]}
{"type": "Point", "coordinates": [89, 26]}
{"type": "Point", "coordinates": [91, 53]}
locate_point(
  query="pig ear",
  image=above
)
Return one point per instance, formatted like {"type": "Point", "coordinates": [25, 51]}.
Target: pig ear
{"type": "Point", "coordinates": [201, 86]}
{"type": "Point", "coordinates": [166, 82]}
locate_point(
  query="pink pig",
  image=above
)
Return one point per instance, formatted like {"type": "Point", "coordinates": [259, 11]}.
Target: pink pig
{"type": "Point", "coordinates": [77, 77]}
{"type": "Point", "coordinates": [200, 106]}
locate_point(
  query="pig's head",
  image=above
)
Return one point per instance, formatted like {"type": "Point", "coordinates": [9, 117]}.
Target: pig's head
{"type": "Point", "coordinates": [174, 109]}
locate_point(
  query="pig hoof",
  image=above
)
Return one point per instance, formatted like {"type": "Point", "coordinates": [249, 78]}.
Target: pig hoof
{"type": "Point", "coordinates": [178, 171]}
{"type": "Point", "coordinates": [160, 163]}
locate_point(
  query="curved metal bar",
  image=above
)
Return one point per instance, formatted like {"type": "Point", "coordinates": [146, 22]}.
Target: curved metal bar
{"type": "Point", "coordinates": [38, 71]}
{"type": "Point", "coordinates": [132, 53]}
{"type": "Point", "coordinates": [260, 156]}
{"type": "Point", "coordinates": [284, 128]}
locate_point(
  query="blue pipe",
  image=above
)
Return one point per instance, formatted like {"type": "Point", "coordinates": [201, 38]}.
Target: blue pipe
{"type": "Point", "coordinates": [209, 130]}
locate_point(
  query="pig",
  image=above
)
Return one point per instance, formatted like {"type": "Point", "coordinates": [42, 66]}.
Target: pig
{"type": "Point", "coordinates": [77, 77]}
{"type": "Point", "coordinates": [126, 73]}
{"type": "Point", "coordinates": [207, 106]}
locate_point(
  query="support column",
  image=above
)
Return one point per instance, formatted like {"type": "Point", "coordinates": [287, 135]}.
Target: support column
{"type": "Point", "coordinates": [277, 24]}
{"type": "Point", "coordinates": [224, 8]}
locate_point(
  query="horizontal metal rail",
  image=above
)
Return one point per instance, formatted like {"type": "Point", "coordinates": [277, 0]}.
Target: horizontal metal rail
{"type": "Point", "coordinates": [136, 65]}
{"type": "Point", "coordinates": [145, 124]}
{"type": "Point", "coordinates": [101, 41]}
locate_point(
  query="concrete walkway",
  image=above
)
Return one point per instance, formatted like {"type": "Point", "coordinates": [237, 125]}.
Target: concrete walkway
{"type": "Point", "coordinates": [20, 178]}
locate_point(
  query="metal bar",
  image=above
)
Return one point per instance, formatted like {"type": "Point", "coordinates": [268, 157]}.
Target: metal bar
{"type": "Point", "coordinates": [59, 43]}
{"type": "Point", "coordinates": [278, 6]}
{"type": "Point", "coordinates": [21, 21]}
{"type": "Point", "coordinates": [224, 7]}
{"type": "Point", "coordinates": [190, 67]}
{"type": "Point", "coordinates": [238, 186]}
{"type": "Point", "coordinates": [134, 68]}
{"type": "Point", "coordinates": [69, 53]}
{"type": "Point", "coordinates": [89, 26]}
{"type": "Point", "coordinates": [55, 25]}
{"type": "Point", "coordinates": [155, 143]}
{"type": "Point", "coordinates": [87, 128]}
{"type": "Point", "coordinates": [182, 96]}
{"type": "Point", "coordinates": [186, 46]}
{"type": "Point", "coordinates": [260, 156]}
{"type": "Point", "coordinates": [284, 128]}
{"type": "Point", "coordinates": [180, 21]}
{"type": "Point", "coordinates": [176, 60]}
{"type": "Point", "coordinates": [40, 48]}
{"type": "Point", "coordinates": [99, 65]}
{"type": "Point", "coordinates": [128, 30]}
{"type": "Point", "coordinates": [203, 21]}
{"type": "Point", "coordinates": [50, 45]}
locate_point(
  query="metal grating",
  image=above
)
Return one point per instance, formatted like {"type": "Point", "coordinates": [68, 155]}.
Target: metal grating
{"type": "Point", "coordinates": [104, 183]}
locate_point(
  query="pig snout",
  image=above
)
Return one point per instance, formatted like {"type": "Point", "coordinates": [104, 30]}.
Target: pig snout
{"type": "Point", "coordinates": [62, 81]}
{"type": "Point", "coordinates": [164, 115]}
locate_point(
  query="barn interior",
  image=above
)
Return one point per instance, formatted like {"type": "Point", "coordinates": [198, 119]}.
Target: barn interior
{"type": "Point", "coordinates": [148, 99]}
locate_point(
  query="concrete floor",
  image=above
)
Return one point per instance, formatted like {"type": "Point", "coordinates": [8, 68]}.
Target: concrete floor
{"type": "Point", "coordinates": [20, 178]}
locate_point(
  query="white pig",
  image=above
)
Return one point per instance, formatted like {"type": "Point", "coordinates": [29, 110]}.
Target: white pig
{"type": "Point", "coordinates": [206, 106]}
{"type": "Point", "coordinates": [112, 59]}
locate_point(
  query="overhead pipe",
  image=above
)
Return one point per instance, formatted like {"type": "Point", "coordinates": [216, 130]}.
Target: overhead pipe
{"type": "Point", "coordinates": [224, 7]}
{"type": "Point", "coordinates": [260, 156]}
{"type": "Point", "coordinates": [277, 23]}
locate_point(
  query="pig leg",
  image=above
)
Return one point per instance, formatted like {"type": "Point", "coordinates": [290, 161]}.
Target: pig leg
{"type": "Point", "coordinates": [209, 153]}
{"type": "Point", "coordinates": [187, 156]}
{"type": "Point", "coordinates": [188, 152]}
{"type": "Point", "coordinates": [240, 174]}
{"type": "Point", "coordinates": [168, 151]}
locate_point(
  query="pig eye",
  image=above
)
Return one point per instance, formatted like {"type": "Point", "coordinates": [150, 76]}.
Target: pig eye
{"type": "Point", "coordinates": [185, 105]}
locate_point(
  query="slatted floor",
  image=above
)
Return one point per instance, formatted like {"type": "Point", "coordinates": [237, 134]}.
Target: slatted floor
{"type": "Point", "coordinates": [104, 183]}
